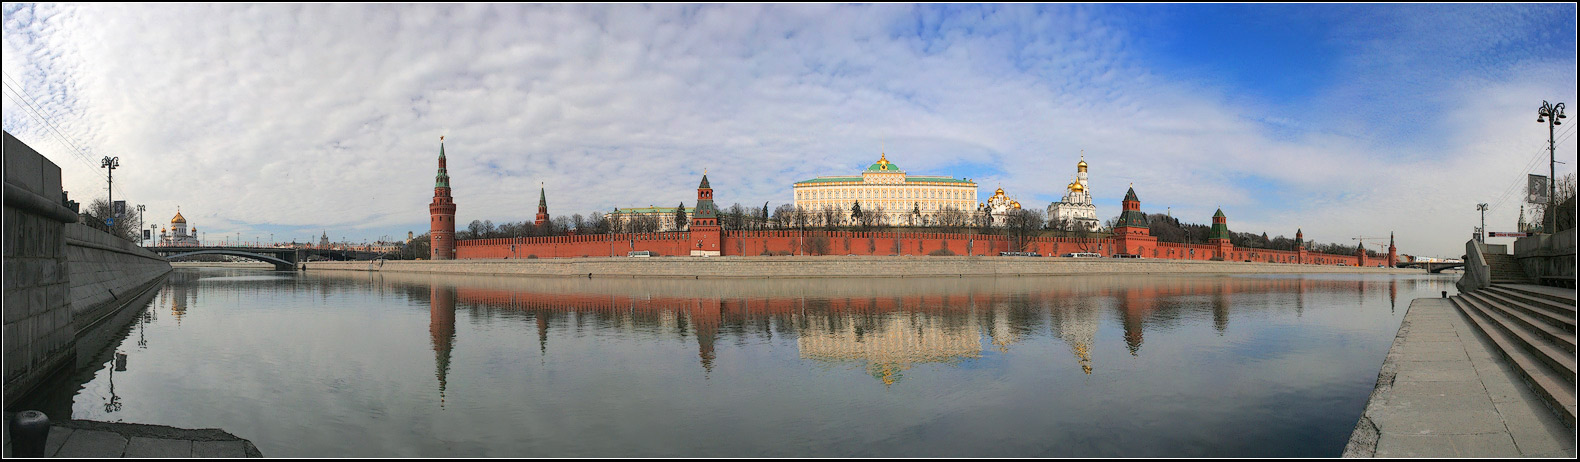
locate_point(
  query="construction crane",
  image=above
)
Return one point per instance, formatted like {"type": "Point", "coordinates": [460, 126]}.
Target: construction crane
{"type": "Point", "coordinates": [1381, 248]}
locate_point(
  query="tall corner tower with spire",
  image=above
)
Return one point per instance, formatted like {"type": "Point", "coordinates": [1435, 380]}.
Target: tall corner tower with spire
{"type": "Point", "coordinates": [441, 214]}
{"type": "Point", "coordinates": [543, 207]}
{"type": "Point", "coordinates": [704, 232]}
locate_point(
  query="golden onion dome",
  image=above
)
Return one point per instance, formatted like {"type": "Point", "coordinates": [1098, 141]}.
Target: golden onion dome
{"type": "Point", "coordinates": [1076, 187]}
{"type": "Point", "coordinates": [178, 218]}
{"type": "Point", "coordinates": [1081, 165]}
{"type": "Point", "coordinates": [1014, 204]}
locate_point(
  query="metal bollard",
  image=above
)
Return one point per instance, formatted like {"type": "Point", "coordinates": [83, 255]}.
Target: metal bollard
{"type": "Point", "coordinates": [29, 432]}
{"type": "Point", "coordinates": [1445, 294]}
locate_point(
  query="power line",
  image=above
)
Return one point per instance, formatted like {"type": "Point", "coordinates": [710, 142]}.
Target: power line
{"type": "Point", "coordinates": [1529, 165]}
{"type": "Point", "coordinates": [37, 114]}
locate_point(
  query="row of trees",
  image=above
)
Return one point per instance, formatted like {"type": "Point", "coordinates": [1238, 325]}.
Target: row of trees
{"type": "Point", "coordinates": [1170, 229]}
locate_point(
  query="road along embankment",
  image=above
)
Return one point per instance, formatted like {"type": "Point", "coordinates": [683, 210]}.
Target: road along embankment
{"type": "Point", "coordinates": [830, 267]}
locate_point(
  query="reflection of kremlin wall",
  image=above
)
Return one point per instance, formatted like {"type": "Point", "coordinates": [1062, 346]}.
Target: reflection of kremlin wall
{"type": "Point", "coordinates": [889, 329]}
{"type": "Point", "coordinates": [885, 186]}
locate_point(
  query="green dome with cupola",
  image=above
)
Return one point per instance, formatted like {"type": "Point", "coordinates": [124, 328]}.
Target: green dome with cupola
{"type": "Point", "coordinates": [883, 165]}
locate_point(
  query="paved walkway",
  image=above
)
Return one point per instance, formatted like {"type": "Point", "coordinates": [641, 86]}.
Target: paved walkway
{"type": "Point", "coordinates": [81, 438]}
{"type": "Point", "coordinates": [1445, 392]}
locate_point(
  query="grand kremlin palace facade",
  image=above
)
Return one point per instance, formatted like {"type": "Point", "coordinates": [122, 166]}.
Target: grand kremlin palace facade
{"type": "Point", "coordinates": [885, 185]}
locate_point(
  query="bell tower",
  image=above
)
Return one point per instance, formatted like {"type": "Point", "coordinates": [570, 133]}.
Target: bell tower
{"type": "Point", "coordinates": [441, 214]}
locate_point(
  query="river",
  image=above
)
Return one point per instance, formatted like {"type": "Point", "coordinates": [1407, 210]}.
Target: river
{"type": "Point", "coordinates": [347, 364]}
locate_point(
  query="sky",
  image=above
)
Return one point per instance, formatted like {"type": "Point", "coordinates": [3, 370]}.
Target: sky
{"type": "Point", "coordinates": [1343, 120]}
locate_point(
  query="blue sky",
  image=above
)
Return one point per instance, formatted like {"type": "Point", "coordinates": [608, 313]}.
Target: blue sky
{"type": "Point", "coordinates": [1344, 120]}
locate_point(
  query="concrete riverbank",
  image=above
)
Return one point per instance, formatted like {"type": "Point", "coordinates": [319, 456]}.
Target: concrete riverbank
{"type": "Point", "coordinates": [1444, 392]}
{"type": "Point", "coordinates": [86, 438]}
{"type": "Point", "coordinates": [829, 267]}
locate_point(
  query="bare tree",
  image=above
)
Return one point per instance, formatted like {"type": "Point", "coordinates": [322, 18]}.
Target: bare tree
{"type": "Point", "coordinates": [784, 216]}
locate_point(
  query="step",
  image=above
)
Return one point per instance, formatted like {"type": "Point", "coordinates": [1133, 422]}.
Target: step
{"type": "Point", "coordinates": [1547, 333]}
{"type": "Point", "coordinates": [1543, 313]}
{"type": "Point", "coordinates": [1564, 296]}
{"type": "Point", "coordinates": [1567, 311]}
{"type": "Point", "coordinates": [1554, 357]}
{"type": "Point", "coordinates": [1558, 394]}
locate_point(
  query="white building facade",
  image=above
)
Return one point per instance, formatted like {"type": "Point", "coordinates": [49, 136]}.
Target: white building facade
{"type": "Point", "coordinates": [177, 234]}
{"type": "Point", "coordinates": [885, 186]}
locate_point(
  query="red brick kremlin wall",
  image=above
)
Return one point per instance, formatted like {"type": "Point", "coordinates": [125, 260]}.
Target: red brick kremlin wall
{"type": "Point", "coordinates": [753, 243]}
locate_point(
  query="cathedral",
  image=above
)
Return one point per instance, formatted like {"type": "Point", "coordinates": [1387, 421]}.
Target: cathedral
{"type": "Point", "coordinates": [1075, 212]}
{"type": "Point", "coordinates": [177, 235]}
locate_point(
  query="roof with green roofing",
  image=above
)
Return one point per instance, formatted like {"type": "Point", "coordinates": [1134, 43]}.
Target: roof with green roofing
{"type": "Point", "coordinates": [1219, 214]}
{"type": "Point", "coordinates": [645, 210]}
{"type": "Point", "coordinates": [884, 167]}
{"type": "Point", "coordinates": [909, 179]}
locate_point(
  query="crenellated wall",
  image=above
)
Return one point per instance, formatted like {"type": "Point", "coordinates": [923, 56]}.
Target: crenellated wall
{"type": "Point", "coordinates": [789, 242]}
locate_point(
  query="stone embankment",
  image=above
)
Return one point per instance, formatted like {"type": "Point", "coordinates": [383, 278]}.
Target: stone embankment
{"type": "Point", "coordinates": [830, 266]}
{"type": "Point", "coordinates": [61, 277]}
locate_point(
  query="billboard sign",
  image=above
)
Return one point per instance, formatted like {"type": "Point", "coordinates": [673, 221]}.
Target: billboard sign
{"type": "Point", "coordinates": [1536, 189]}
{"type": "Point", "coordinates": [119, 209]}
{"type": "Point", "coordinates": [1503, 234]}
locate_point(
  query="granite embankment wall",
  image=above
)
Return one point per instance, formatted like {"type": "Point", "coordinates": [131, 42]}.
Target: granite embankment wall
{"type": "Point", "coordinates": [1548, 258]}
{"type": "Point", "coordinates": [764, 243]}
{"type": "Point", "coordinates": [61, 277]}
{"type": "Point", "coordinates": [106, 272]}
{"type": "Point", "coordinates": [841, 267]}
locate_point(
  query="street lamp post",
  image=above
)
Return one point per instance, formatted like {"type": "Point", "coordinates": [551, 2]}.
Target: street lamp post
{"type": "Point", "coordinates": [1550, 114]}
{"type": "Point", "coordinates": [140, 209]}
{"type": "Point", "coordinates": [1481, 232]}
{"type": "Point", "coordinates": [110, 163]}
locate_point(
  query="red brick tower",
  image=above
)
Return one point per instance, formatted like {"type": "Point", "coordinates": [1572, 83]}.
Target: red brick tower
{"type": "Point", "coordinates": [1393, 253]}
{"type": "Point", "coordinates": [705, 232]}
{"type": "Point", "coordinates": [1300, 246]}
{"type": "Point", "coordinates": [1220, 235]}
{"type": "Point", "coordinates": [1133, 235]}
{"type": "Point", "coordinates": [543, 208]}
{"type": "Point", "coordinates": [441, 214]}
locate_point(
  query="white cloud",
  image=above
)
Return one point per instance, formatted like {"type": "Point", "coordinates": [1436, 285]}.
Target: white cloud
{"type": "Point", "coordinates": [316, 117]}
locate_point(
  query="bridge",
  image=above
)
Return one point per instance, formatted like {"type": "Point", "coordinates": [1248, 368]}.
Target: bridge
{"type": "Point", "coordinates": [1431, 266]}
{"type": "Point", "coordinates": [283, 259]}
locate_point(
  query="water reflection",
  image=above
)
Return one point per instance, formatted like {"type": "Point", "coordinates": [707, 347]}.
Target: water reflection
{"type": "Point", "coordinates": [885, 326]}
{"type": "Point", "coordinates": [1034, 366]}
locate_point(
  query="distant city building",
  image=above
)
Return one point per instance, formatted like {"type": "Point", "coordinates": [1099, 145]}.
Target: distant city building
{"type": "Point", "coordinates": [885, 186]}
{"type": "Point", "coordinates": [1075, 211]}
{"type": "Point", "coordinates": [178, 235]}
{"type": "Point", "coordinates": [624, 218]}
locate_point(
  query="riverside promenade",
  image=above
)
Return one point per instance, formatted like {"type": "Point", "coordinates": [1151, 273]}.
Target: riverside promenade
{"type": "Point", "coordinates": [832, 266]}
{"type": "Point", "coordinates": [1444, 392]}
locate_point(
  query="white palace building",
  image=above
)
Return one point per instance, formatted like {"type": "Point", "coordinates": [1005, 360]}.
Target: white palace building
{"type": "Point", "coordinates": [884, 185]}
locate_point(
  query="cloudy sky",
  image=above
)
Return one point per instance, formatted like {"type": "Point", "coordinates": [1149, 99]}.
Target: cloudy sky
{"type": "Point", "coordinates": [1344, 120]}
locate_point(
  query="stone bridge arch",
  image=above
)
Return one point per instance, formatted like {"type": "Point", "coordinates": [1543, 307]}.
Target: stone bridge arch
{"type": "Point", "coordinates": [279, 264]}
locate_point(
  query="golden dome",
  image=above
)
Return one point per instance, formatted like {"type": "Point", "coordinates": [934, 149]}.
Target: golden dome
{"type": "Point", "coordinates": [1076, 187]}
{"type": "Point", "coordinates": [178, 218]}
{"type": "Point", "coordinates": [1014, 204]}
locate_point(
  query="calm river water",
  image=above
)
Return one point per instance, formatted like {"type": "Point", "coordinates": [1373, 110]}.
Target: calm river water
{"type": "Point", "coordinates": [365, 364]}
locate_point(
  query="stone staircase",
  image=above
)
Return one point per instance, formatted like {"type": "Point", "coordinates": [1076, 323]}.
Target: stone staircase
{"type": "Point", "coordinates": [1534, 328]}
{"type": "Point", "coordinates": [1506, 270]}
